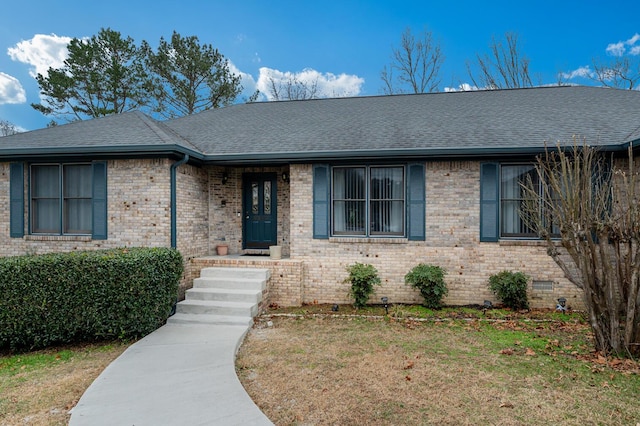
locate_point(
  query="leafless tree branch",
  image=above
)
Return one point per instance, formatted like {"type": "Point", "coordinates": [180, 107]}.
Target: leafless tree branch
{"type": "Point", "coordinates": [414, 65]}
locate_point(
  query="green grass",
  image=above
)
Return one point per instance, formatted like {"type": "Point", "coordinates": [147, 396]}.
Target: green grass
{"type": "Point", "coordinates": [28, 362]}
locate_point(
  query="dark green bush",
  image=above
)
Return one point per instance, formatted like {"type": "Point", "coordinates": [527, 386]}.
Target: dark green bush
{"type": "Point", "coordinates": [429, 279]}
{"type": "Point", "coordinates": [362, 278]}
{"type": "Point", "coordinates": [86, 296]}
{"type": "Point", "coordinates": [511, 289]}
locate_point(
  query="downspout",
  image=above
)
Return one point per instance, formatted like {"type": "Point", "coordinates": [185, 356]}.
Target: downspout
{"type": "Point", "coordinates": [174, 207]}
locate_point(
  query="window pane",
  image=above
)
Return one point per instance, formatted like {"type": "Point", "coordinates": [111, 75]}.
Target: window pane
{"type": "Point", "coordinates": [45, 199]}
{"type": "Point", "coordinates": [387, 183]}
{"type": "Point", "coordinates": [512, 199]}
{"type": "Point", "coordinates": [77, 216]}
{"type": "Point", "coordinates": [267, 197]}
{"type": "Point", "coordinates": [77, 181]}
{"type": "Point", "coordinates": [512, 224]}
{"type": "Point", "coordinates": [349, 215]}
{"type": "Point", "coordinates": [387, 217]}
{"type": "Point", "coordinates": [387, 200]}
{"type": "Point", "coordinates": [46, 215]}
{"type": "Point", "coordinates": [255, 200]}
{"type": "Point", "coordinates": [45, 182]}
{"type": "Point", "coordinates": [77, 199]}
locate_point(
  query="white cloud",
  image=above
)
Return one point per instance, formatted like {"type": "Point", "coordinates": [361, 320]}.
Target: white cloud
{"type": "Point", "coordinates": [582, 72]}
{"type": "Point", "coordinates": [620, 48]}
{"type": "Point", "coordinates": [616, 49]}
{"type": "Point", "coordinates": [328, 85]}
{"type": "Point", "coordinates": [247, 80]}
{"type": "Point", "coordinates": [11, 91]}
{"type": "Point", "coordinates": [41, 52]}
{"type": "Point", "coordinates": [462, 87]}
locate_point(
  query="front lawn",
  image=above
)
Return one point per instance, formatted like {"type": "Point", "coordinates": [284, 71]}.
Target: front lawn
{"type": "Point", "coordinates": [39, 388]}
{"type": "Point", "coordinates": [460, 366]}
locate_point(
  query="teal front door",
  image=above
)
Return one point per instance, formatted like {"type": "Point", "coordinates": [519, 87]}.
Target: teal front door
{"type": "Point", "coordinates": [260, 225]}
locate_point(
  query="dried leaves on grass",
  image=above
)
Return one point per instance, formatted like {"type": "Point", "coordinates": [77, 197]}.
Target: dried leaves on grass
{"type": "Point", "coordinates": [40, 388]}
{"type": "Point", "coordinates": [351, 371]}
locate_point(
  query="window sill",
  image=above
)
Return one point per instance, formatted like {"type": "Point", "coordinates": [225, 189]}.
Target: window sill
{"type": "Point", "coordinates": [368, 240]}
{"type": "Point", "coordinates": [57, 237]}
{"type": "Point", "coordinates": [526, 243]}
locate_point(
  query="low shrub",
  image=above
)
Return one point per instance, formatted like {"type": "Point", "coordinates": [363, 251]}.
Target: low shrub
{"type": "Point", "coordinates": [429, 279]}
{"type": "Point", "coordinates": [511, 289]}
{"type": "Point", "coordinates": [86, 296]}
{"type": "Point", "coordinates": [362, 278]}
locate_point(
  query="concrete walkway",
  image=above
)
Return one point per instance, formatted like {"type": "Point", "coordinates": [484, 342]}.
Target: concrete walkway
{"type": "Point", "coordinates": [177, 375]}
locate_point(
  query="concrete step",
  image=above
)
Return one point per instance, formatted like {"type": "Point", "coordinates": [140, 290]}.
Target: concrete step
{"type": "Point", "coordinates": [212, 307]}
{"type": "Point", "coordinates": [180, 318]}
{"type": "Point", "coordinates": [230, 283]}
{"type": "Point", "coordinates": [236, 273]}
{"type": "Point", "coordinates": [222, 294]}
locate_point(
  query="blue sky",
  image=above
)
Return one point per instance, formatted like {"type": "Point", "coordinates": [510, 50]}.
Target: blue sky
{"type": "Point", "coordinates": [344, 43]}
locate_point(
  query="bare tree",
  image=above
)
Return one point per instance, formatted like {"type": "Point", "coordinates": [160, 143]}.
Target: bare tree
{"type": "Point", "coordinates": [7, 128]}
{"type": "Point", "coordinates": [587, 209]}
{"type": "Point", "coordinates": [292, 88]}
{"type": "Point", "coordinates": [620, 73]}
{"type": "Point", "coordinates": [414, 65]}
{"type": "Point", "coordinates": [505, 67]}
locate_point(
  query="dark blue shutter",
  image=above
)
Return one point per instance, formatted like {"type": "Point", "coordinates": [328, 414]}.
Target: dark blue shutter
{"type": "Point", "coordinates": [16, 190]}
{"type": "Point", "coordinates": [321, 201]}
{"type": "Point", "coordinates": [99, 180]}
{"type": "Point", "coordinates": [489, 202]}
{"type": "Point", "coordinates": [416, 202]}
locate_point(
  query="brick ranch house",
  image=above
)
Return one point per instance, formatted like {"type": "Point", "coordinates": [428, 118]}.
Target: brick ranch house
{"type": "Point", "coordinates": [388, 180]}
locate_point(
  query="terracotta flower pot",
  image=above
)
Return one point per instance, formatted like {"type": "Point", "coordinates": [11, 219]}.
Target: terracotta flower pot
{"type": "Point", "coordinates": [222, 249]}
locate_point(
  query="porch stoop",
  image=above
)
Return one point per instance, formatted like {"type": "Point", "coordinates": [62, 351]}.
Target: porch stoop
{"type": "Point", "coordinates": [228, 296]}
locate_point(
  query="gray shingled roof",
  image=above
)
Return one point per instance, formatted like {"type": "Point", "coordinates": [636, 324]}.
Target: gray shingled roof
{"type": "Point", "coordinates": [127, 133]}
{"type": "Point", "coordinates": [459, 124]}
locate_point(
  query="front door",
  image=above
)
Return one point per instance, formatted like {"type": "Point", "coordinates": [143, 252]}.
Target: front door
{"type": "Point", "coordinates": [259, 229]}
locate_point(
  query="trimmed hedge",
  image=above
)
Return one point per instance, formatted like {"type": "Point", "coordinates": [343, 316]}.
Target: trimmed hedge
{"type": "Point", "coordinates": [86, 296]}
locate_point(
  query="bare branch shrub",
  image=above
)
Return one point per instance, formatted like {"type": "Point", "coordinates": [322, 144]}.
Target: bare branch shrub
{"type": "Point", "coordinates": [586, 209]}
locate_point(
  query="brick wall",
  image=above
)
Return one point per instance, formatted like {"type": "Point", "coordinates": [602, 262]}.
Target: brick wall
{"type": "Point", "coordinates": [138, 211]}
{"type": "Point", "coordinates": [192, 199]}
{"type": "Point", "coordinates": [210, 212]}
{"type": "Point", "coordinates": [225, 210]}
{"type": "Point", "coordinates": [452, 241]}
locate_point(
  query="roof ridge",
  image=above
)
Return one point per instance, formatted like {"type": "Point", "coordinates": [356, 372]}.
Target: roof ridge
{"type": "Point", "coordinates": [164, 132]}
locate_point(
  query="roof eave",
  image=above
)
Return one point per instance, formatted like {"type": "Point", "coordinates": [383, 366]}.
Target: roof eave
{"type": "Point", "coordinates": [129, 151]}
{"type": "Point", "coordinates": [395, 154]}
